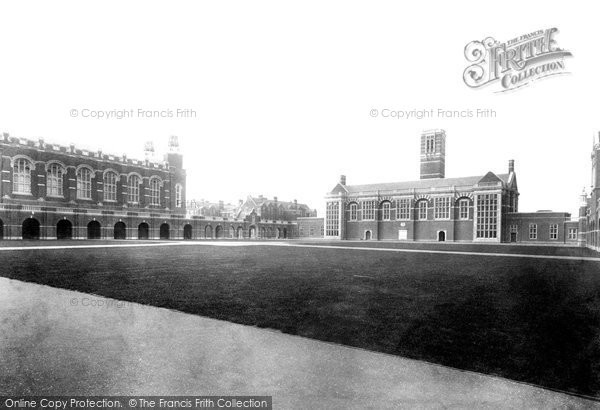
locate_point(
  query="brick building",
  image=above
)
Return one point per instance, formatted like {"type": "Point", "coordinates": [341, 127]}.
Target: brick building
{"type": "Point", "coordinates": [273, 209]}
{"type": "Point", "coordinates": [481, 208]}
{"type": "Point", "coordinates": [541, 227]}
{"type": "Point", "coordinates": [311, 227]}
{"type": "Point", "coordinates": [589, 207]}
{"type": "Point", "coordinates": [49, 191]}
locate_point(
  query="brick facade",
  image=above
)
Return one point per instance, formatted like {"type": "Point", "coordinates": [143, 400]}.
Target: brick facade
{"type": "Point", "coordinates": [49, 191]}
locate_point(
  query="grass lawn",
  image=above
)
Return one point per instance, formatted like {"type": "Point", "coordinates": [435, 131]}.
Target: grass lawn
{"type": "Point", "coordinates": [532, 320]}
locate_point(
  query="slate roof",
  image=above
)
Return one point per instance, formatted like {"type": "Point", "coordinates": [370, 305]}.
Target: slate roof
{"type": "Point", "coordinates": [490, 177]}
{"type": "Point", "coordinates": [288, 205]}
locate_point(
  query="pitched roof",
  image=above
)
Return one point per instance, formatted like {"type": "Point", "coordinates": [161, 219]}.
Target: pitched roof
{"type": "Point", "coordinates": [264, 201]}
{"type": "Point", "coordinates": [427, 183]}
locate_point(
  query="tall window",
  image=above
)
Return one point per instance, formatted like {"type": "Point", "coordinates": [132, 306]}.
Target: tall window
{"type": "Point", "coordinates": [84, 183]}
{"type": "Point", "coordinates": [386, 211]}
{"type": "Point", "coordinates": [441, 208]}
{"type": "Point", "coordinates": [463, 209]}
{"type": "Point", "coordinates": [332, 219]}
{"type": "Point", "coordinates": [155, 191]}
{"type": "Point", "coordinates": [54, 180]}
{"type": "Point", "coordinates": [368, 210]}
{"type": "Point", "coordinates": [487, 216]}
{"type": "Point", "coordinates": [572, 233]}
{"type": "Point", "coordinates": [353, 212]}
{"type": "Point", "coordinates": [553, 231]}
{"type": "Point", "coordinates": [403, 209]}
{"type": "Point", "coordinates": [430, 144]}
{"type": "Point", "coordinates": [22, 176]}
{"type": "Point", "coordinates": [422, 210]}
{"type": "Point", "coordinates": [178, 195]}
{"type": "Point", "coordinates": [110, 186]}
{"type": "Point", "coordinates": [133, 189]}
{"type": "Point", "coordinates": [532, 231]}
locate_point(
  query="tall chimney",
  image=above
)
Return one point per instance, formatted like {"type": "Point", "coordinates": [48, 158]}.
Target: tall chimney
{"type": "Point", "coordinates": [343, 179]}
{"type": "Point", "coordinates": [511, 166]}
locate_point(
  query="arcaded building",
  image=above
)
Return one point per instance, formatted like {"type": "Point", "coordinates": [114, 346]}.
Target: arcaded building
{"type": "Point", "coordinates": [50, 191]}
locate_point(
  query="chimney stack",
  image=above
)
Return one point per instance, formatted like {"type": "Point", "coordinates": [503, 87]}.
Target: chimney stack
{"type": "Point", "coordinates": [511, 166]}
{"type": "Point", "coordinates": [343, 179]}
{"type": "Point", "coordinates": [148, 150]}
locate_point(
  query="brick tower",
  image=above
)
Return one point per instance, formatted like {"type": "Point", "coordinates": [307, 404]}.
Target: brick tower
{"type": "Point", "coordinates": [433, 154]}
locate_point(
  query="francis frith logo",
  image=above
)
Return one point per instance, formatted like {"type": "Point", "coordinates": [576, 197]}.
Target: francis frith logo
{"type": "Point", "coordinates": [514, 63]}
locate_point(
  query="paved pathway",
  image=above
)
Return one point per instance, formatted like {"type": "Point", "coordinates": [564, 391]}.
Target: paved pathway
{"type": "Point", "coordinates": [60, 342]}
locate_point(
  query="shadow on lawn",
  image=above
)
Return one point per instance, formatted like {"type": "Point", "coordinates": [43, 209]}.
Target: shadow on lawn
{"type": "Point", "coordinates": [547, 333]}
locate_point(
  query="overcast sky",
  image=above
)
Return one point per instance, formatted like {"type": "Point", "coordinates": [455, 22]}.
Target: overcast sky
{"type": "Point", "coordinates": [283, 92]}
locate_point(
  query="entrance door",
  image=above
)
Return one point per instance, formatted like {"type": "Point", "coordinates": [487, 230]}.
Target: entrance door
{"type": "Point", "coordinates": [367, 235]}
{"type": "Point", "coordinates": [441, 236]}
{"type": "Point", "coordinates": [513, 236]}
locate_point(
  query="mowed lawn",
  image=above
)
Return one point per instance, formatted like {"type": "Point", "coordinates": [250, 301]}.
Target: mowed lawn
{"type": "Point", "coordinates": [533, 320]}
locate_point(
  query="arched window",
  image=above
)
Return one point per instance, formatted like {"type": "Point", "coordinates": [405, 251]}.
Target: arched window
{"type": "Point", "coordinates": [54, 180]}
{"type": "Point", "coordinates": [133, 189]}
{"type": "Point", "coordinates": [463, 209]}
{"type": "Point", "coordinates": [22, 176]}
{"type": "Point", "coordinates": [155, 191]}
{"type": "Point", "coordinates": [386, 211]}
{"type": "Point", "coordinates": [110, 186]}
{"type": "Point", "coordinates": [353, 212]}
{"type": "Point", "coordinates": [422, 210]}
{"type": "Point", "coordinates": [178, 195]}
{"type": "Point", "coordinates": [84, 183]}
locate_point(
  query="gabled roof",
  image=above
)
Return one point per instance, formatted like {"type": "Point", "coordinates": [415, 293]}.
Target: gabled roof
{"type": "Point", "coordinates": [258, 201]}
{"type": "Point", "coordinates": [489, 178]}
{"type": "Point", "coordinates": [424, 183]}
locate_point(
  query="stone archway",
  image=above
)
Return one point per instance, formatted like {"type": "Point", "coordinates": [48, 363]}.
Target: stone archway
{"type": "Point", "coordinates": [208, 232]}
{"type": "Point", "coordinates": [187, 232]}
{"type": "Point", "coordinates": [31, 229]}
{"type": "Point", "coordinates": [64, 229]}
{"type": "Point", "coordinates": [219, 232]}
{"type": "Point", "coordinates": [120, 230]}
{"type": "Point", "coordinates": [442, 236]}
{"type": "Point", "coordinates": [164, 231]}
{"type": "Point", "coordinates": [94, 230]}
{"type": "Point", "coordinates": [143, 231]}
